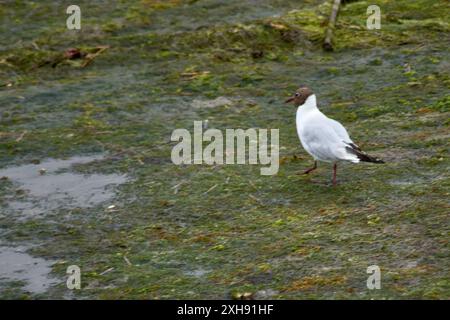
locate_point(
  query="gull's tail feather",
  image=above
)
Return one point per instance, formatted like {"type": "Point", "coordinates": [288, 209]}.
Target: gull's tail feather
{"type": "Point", "coordinates": [361, 155]}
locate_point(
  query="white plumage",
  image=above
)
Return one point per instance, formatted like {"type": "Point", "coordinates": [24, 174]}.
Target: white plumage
{"type": "Point", "coordinates": [323, 138]}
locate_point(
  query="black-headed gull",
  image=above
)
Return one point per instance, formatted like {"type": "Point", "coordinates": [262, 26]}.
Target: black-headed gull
{"type": "Point", "coordinates": [323, 138]}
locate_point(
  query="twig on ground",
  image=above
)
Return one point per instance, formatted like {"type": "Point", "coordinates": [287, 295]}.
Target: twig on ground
{"type": "Point", "coordinates": [210, 189]}
{"type": "Point", "coordinates": [127, 261]}
{"type": "Point", "coordinates": [91, 57]}
{"type": "Point", "coordinates": [327, 44]}
{"type": "Point", "coordinates": [106, 271]}
{"type": "Point", "coordinates": [21, 136]}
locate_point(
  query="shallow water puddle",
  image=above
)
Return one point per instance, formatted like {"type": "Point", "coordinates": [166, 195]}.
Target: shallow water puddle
{"type": "Point", "coordinates": [198, 273]}
{"type": "Point", "coordinates": [47, 186]}
{"type": "Point", "coordinates": [50, 185]}
{"type": "Point", "coordinates": [17, 265]}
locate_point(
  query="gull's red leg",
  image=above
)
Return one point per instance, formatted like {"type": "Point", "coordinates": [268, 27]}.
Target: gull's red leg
{"type": "Point", "coordinates": [311, 169]}
{"type": "Point", "coordinates": [334, 174]}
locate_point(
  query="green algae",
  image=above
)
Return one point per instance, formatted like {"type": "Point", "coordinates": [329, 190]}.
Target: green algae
{"type": "Point", "coordinates": [168, 237]}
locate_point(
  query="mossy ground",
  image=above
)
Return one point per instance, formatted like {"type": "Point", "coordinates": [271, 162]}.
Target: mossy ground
{"type": "Point", "coordinates": [292, 234]}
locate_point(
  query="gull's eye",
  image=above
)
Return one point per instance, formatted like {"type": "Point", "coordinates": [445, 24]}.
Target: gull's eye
{"type": "Point", "coordinates": [297, 94]}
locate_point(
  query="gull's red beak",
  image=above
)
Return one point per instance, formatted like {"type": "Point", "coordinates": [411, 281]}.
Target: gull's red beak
{"type": "Point", "coordinates": [289, 100]}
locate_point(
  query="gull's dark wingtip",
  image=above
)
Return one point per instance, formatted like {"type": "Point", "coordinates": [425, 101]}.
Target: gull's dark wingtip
{"type": "Point", "coordinates": [362, 156]}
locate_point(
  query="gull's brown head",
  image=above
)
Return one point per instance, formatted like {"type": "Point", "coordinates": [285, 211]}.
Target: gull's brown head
{"type": "Point", "coordinates": [300, 96]}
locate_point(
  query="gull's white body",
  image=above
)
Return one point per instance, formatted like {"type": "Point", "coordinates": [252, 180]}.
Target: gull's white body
{"type": "Point", "coordinates": [323, 138]}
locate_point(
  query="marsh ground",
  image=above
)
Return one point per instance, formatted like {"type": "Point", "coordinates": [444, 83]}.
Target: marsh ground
{"type": "Point", "coordinates": [165, 231]}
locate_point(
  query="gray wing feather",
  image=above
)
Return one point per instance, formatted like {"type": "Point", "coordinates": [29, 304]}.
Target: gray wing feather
{"type": "Point", "coordinates": [324, 143]}
{"type": "Point", "coordinates": [340, 130]}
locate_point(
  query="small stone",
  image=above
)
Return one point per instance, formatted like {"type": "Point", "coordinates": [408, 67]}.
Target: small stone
{"type": "Point", "coordinates": [72, 53]}
{"type": "Point", "coordinates": [265, 294]}
{"type": "Point", "coordinates": [242, 296]}
{"type": "Point", "coordinates": [257, 54]}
